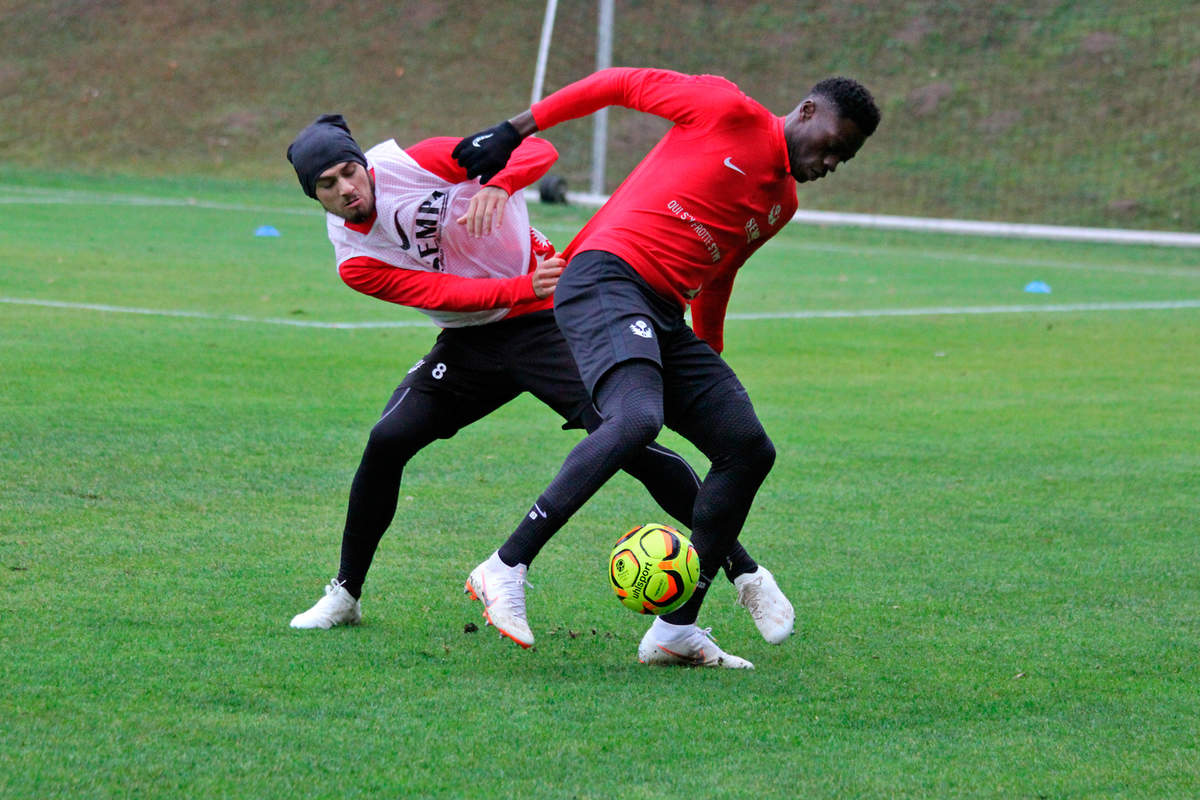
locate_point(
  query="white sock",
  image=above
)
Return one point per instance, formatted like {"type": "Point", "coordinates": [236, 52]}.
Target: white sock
{"type": "Point", "coordinates": [666, 631]}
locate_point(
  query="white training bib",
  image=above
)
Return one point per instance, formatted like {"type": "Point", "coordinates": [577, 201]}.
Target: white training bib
{"type": "Point", "coordinates": [416, 228]}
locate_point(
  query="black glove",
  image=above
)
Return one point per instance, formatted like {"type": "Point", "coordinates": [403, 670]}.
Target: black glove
{"type": "Point", "coordinates": [485, 153]}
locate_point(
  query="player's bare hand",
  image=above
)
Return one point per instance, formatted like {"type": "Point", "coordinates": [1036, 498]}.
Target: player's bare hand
{"type": "Point", "coordinates": [486, 211]}
{"type": "Point", "coordinates": [545, 277]}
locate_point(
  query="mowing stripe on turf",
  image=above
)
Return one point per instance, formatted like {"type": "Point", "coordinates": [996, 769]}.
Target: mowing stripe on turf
{"type": "Point", "coordinates": [38, 195]}
{"type": "Point", "coordinates": [26, 195]}
{"type": "Point", "coordinates": [1148, 305]}
{"type": "Point", "coordinates": [1057, 308]}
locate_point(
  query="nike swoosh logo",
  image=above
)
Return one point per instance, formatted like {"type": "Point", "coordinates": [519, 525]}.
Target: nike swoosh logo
{"type": "Point", "coordinates": [729, 163]}
{"type": "Point", "coordinates": [487, 602]}
{"type": "Point", "coordinates": [697, 660]}
{"type": "Point", "coordinates": [475, 142]}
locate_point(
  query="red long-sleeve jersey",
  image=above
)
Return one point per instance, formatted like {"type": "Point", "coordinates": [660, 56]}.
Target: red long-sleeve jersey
{"type": "Point", "coordinates": [440, 291]}
{"type": "Point", "coordinates": [709, 194]}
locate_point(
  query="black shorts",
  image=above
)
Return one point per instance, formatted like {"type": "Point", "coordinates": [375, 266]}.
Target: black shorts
{"type": "Point", "coordinates": [609, 315]}
{"type": "Point", "coordinates": [472, 371]}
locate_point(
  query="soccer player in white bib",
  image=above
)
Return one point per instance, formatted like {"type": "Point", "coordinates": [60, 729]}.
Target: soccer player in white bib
{"type": "Point", "coordinates": [409, 227]}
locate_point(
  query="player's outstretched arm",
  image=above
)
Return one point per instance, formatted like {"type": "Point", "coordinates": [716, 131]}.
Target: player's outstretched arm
{"type": "Point", "coordinates": [531, 159]}
{"type": "Point", "coordinates": [437, 290]}
{"type": "Point", "coordinates": [668, 94]}
{"type": "Point", "coordinates": [485, 152]}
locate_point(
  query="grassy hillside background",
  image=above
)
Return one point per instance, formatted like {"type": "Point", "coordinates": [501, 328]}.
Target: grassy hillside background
{"type": "Point", "coordinates": [1036, 111]}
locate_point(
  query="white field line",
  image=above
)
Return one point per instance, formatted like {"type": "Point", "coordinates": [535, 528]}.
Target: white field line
{"type": "Point", "coordinates": [22, 194]}
{"type": "Point", "coordinates": [37, 195]}
{"type": "Point", "coordinates": [1006, 229]}
{"type": "Point", "coordinates": [968, 227]}
{"type": "Point", "coordinates": [1053, 308]}
{"type": "Point", "coordinates": [998, 261]}
{"type": "Point", "coordinates": [160, 312]}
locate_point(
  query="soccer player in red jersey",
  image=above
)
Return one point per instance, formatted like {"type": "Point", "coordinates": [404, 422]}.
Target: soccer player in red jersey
{"type": "Point", "coordinates": [714, 189]}
{"type": "Point", "coordinates": [408, 227]}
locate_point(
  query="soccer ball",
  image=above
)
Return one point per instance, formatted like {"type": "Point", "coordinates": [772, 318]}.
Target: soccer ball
{"type": "Point", "coordinates": [653, 569]}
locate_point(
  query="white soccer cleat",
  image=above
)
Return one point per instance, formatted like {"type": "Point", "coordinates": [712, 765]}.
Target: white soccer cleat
{"type": "Point", "coordinates": [337, 607]}
{"type": "Point", "coordinates": [501, 589]}
{"type": "Point", "coordinates": [759, 594]}
{"type": "Point", "coordinates": [687, 646]}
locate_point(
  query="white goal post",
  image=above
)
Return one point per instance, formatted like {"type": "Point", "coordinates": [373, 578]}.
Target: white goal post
{"type": "Point", "coordinates": [604, 40]}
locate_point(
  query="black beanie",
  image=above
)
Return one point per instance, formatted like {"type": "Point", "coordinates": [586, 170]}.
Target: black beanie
{"type": "Point", "coordinates": [321, 145]}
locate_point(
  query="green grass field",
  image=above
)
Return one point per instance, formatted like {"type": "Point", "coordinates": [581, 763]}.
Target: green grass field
{"type": "Point", "coordinates": [986, 522]}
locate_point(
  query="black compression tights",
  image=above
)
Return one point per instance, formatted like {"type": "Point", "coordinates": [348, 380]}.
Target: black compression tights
{"type": "Point", "coordinates": [722, 425]}
{"type": "Point", "coordinates": [394, 440]}
{"type": "Point", "coordinates": [630, 402]}
{"type": "Point", "coordinates": [405, 429]}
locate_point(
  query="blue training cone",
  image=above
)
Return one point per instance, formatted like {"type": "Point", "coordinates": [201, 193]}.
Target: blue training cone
{"type": "Point", "coordinates": [1037, 287]}
{"type": "Point", "coordinates": [266, 230]}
